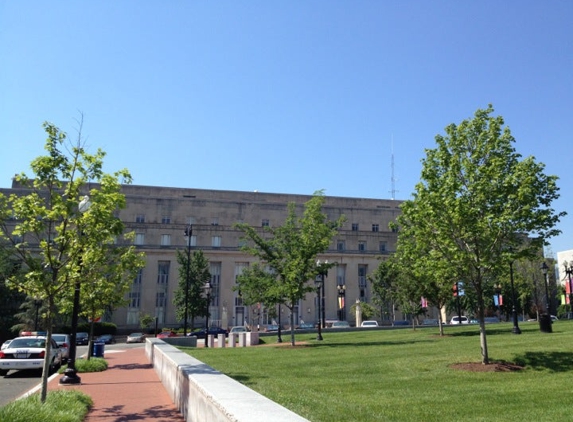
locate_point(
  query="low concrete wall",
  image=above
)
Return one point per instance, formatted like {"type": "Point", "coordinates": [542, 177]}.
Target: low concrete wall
{"type": "Point", "coordinates": [204, 394]}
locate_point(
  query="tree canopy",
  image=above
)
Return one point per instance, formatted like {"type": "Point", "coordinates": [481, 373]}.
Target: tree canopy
{"type": "Point", "coordinates": [287, 256]}
{"type": "Point", "coordinates": [56, 243]}
{"type": "Point", "coordinates": [478, 206]}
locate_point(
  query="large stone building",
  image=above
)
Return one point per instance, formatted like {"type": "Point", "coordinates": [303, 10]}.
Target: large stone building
{"type": "Point", "coordinates": [160, 215]}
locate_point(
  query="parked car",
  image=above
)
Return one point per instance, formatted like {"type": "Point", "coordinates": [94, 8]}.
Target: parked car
{"type": "Point", "coordinates": [371, 323]}
{"type": "Point", "coordinates": [306, 326]}
{"type": "Point", "coordinates": [457, 320]}
{"type": "Point", "coordinates": [63, 341]}
{"type": "Point", "coordinates": [340, 324]}
{"type": "Point", "coordinates": [238, 329]}
{"type": "Point", "coordinates": [135, 338]}
{"type": "Point", "coordinates": [167, 334]}
{"type": "Point", "coordinates": [401, 322]}
{"type": "Point", "coordinates": [554, 318]}
{"type": "Point", "coordinates": [29, 353]}
{"type": "Point", "coordinates": [5, 344]}
{"type": "Point", "coordinates": [105, 338]}
{"type": "Point", "coordinates": [82, 338]}
{"type": "Point", "coordinates": [270, 328]}
{"type": "Point", "coordinates": [430, 321]}
{"type": "Point", "coordinates": [214, 331]}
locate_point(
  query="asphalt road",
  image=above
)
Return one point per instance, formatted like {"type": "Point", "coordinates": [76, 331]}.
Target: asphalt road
{"type": "Point", "coordinates": [17, 383]}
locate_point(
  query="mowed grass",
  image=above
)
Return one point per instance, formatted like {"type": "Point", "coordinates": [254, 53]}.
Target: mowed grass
{"type": "Point", "coordinates": [405, 374]}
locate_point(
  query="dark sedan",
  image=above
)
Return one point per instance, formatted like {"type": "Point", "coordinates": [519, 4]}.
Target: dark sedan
{"type": "Point", "coordinates": [105, 338]}
{"type": "Point", "coordinates": [215, 331]}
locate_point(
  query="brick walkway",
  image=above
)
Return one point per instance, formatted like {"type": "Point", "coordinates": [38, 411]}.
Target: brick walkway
{"type": "Point", "coordinates": [129, 390]}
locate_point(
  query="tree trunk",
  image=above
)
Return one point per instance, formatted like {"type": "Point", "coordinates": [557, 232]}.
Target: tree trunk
{"type": "Point", "coordinates": [482, 333]}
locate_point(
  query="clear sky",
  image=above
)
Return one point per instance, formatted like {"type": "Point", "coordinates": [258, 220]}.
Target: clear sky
{"type": "Point", "coordinates": [285, 96]}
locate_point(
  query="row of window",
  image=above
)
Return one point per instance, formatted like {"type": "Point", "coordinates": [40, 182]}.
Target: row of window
{"type": "Point", "coordinates": [216, 242]}
{"type": "Point", "coordinates": [140, 218]}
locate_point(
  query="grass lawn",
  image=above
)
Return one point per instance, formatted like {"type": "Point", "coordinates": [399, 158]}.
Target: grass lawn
{"type": "Point", "coordinates": [405, 374]}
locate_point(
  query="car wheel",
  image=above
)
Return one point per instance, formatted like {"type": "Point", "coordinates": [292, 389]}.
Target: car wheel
{"type": "Point", "coordinates": [3, 372]}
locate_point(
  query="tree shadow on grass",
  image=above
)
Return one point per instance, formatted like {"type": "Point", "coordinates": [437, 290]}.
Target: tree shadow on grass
{"type": "Point", "coordinates": [552, 361]}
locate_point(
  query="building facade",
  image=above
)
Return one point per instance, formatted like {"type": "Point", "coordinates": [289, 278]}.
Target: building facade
{"type": "Point", "coordinates": [159, 217]}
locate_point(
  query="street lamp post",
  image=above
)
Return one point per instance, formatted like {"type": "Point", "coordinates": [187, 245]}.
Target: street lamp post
{"type": "Point", "coordinates": [341, 292]}
{"type": "Point", "coordinates": [207, 288]}
{"type": "Point", "coordinates": [515, 329]}
{"type": "Point", "coordinates": [71, 375]}
{"type": "Point", "coordinates": [188, 234]}
{"type": "Point", "coordinates": [545, 319]}
{"type": "Point", "coordinates": [318, 281]}
{"type": "Point", "coordinates": [569, 272]}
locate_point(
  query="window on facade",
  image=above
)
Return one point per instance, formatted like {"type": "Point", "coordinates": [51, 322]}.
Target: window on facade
{"type": "Point", "coordinates": [165, 239]}
{"type": "Point", "coordinates": [362, 270]}
{"type": "Point", "coordinates": [140, 218]}
{"type": "Point", "coordinates": [265, 223]}
{"type": "Point", "coordinates": [134, 299]}
{"type": "Point", "coordinates": [383, 246]}
{"type": "Point", "coordinates": [138, 277]}
{"type": "Point", "coordinates": [354, 227]}
{"type": "Point", "coordinates": [165, 219]}
{"type": "Point", "coordinates": [340, 246]}
{"type": "Point", "coordinates": [375, 228]}
{"type": "Point", "coordinates": [162, 272]}
{"type": "Point", "coordinates": [215, 221]}
{"type": "Point", "coordinates": [139, 239]}
{"type": "Point", "coordinates": [341, 274]}
{"type": "Point", "coordinates": [215, 271]}
{"type": "Point", "coordinates": [216, 241]}
{"type": "Point", "coordinates": [361, 246]}
{"type": "Point", "coordinates": [160, 300]}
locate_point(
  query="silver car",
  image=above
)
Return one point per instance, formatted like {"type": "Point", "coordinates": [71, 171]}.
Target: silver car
{"type": "Point", "coordinates": [63, 342]}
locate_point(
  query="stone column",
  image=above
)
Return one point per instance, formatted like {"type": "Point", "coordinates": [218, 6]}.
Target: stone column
{"type": "Point", "coordinates": [358, 313]}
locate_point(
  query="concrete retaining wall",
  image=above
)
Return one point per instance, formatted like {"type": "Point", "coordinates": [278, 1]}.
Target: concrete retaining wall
{"type": "Point", "coordinates": [204, 394]}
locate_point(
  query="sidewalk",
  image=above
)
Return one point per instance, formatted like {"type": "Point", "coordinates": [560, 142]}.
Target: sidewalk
{"type": "Point", "coordinates": [128, 390]}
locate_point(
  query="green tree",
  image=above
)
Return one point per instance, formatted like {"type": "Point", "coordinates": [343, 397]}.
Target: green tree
{"type": "Point", "coordinates": [111, 270]}
{"type": "Point", "coordinates": [287, 255]}
{"type": "Point", "coordinates": [49, 234]}
{"type": "Point", "coordinates": [10, 300]}
{"type": "Point", "coordinates": [477, 207]}
{"type": "Point", "coordinates": [196, 267]}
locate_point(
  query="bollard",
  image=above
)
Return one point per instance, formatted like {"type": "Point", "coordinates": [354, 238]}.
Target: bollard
{"type": "Point", "coordinates": [221, 340]}
{"type": "Point", "coordinates": [232, 339]}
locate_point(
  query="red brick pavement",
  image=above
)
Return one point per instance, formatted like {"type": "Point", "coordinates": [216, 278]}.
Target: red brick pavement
{"type": "Point", "coordinates": [129, 390]}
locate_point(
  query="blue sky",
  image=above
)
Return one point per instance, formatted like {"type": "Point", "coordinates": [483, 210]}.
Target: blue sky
{"type": "Point", "coordinates": [285, 96]}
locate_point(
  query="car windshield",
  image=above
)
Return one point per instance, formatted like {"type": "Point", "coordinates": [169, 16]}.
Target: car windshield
{"type": "Point", "coordinates": [60, 338]}
{"type": "Point", "coordinates": [135, 334]}
{"type": "Point", "coordinates": [28, 342]}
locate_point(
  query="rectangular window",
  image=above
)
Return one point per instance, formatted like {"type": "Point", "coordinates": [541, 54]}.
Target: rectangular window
{"type": "Point", "coordinates": [134, 299]}
{"type": "Point", "coordinates": [361, 246]}
{"type": "Point", "coordinates": [375, 227]}
{"type": "Point", "coordinates": [165, 239]}
{"type": "Point", "coordinates": [216, 241]}
{"type": "Point", "coordinates": [165, 219]}
{"type": "Point", "coordinates": [215, 271]}
{"type": "Point", "coordinates": [160, 300]}
{"type": "Point", "coordinates": [215, 221]}
{"type": "Point", "coordinates": [265, 223]}
{"type": "Point", "coordinates": [139, 239]}
{"type": "Point", "coordinates": [354, 227]}
{"type": "Point", "coordinates": [138, 277]}
{"type": "Point", "coordinates": [362, 270]}
{"type": "Point", "coordinates": [140, 218]}
{"type": "Point", "coordinates": [340, 246]}
{"type": "Point", "coordinates": [341, 275]}
{"type": "Point", "coordinates": [383, 246]}
{"type": "Point", "coordinates": [163, 272]}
